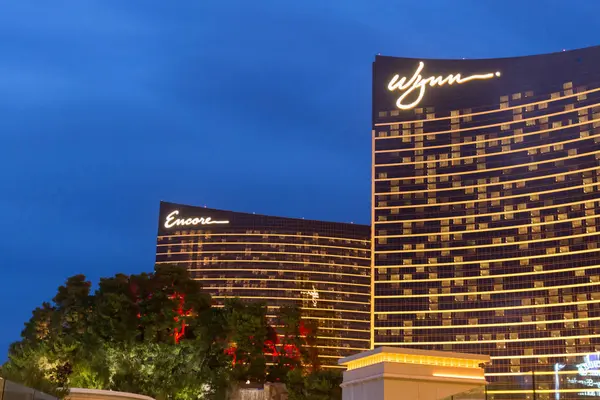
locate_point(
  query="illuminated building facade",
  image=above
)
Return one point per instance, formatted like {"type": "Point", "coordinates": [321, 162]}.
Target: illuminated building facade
{"type": "Point", "coordinates": [485, 216]}
{"type": "Point", "coordinates": [324, 267]}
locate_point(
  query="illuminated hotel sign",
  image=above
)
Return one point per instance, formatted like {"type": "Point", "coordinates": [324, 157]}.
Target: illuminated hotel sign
{"type": "Point", "coordinates": [417, 84]}
{"type": "Point", "coordinates": [172, 221]}
{"type": "Point", "coordinates": [585, 378]}
{"type": "Point", "coordinates": [314, 294]}
{"type": "Point", "coordinates": [589, 367]}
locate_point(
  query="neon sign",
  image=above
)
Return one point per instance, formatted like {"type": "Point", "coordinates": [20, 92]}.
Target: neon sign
{"type": "Point", "coordinates": [314, 294]}
{"type": "Point", "coordinates": [172, 221]}
{"type": "Point", "coordinates": [589, 367]}
{"type": "Point", "coordinates": [418, 83]}
{"type": "Point", "coordinates": [583, 376]}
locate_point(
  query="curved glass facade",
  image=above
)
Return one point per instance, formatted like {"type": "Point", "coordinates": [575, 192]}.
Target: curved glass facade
{"type": "Point", "coordinates": [486, 212]}
{"type": "Point", "coordinates": [323, 267]}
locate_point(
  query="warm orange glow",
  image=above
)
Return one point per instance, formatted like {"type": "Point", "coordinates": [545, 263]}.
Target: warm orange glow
{"type": "Point", "coordinates": [478, 378]}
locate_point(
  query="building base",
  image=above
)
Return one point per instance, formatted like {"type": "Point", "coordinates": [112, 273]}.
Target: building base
{"type": "Point", "coordinates": [392, 373]}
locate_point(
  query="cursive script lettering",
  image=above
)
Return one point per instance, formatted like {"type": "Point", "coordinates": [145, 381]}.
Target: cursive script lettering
{"type": "Point", "coordinates": [314, 294]}
{"type": "Point", "coordinates": [417, 84]}
{"type": "Point", "coordinates": [172, 221]}
{"type": "Point", "coordinates": [589, 368]}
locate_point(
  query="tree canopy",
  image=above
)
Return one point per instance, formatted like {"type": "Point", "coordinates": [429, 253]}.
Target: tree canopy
{"type": "Point", "coordinates": [158, 334]}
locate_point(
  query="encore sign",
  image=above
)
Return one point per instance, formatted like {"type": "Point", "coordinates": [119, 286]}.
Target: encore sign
{"type": "Point", "coordinates": [172, 221]}
{"type": "Point", "coordinates": [418, 83]}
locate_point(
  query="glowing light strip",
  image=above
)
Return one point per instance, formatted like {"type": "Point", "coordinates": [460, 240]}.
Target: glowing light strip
{"type": "Point", "coordinates": [500, 228]}
{"type": "Point", "coordinates": [487, 155]}
{"type": "Point", "coordinates": [234, 288]}
{"type": "Point", "coordinates": [525, 391]}
{"type": "Point", "coordinates": [273, 244]}
{"type": "Point", "coordinates": [477, 378]}
{"type": "Point", "coordinates": [556, 380]}
{"type": "Point", "coordinates": [497, 260]}
{"type": "Point", "coordinates": [304, 271]}
{"type": "Point", "coordinates": [534, 289]}
{"type": "Point", "coordinates": [346, 338]}
{"type": "Point", "coordinates": [211, 234]}
{"type": "Point", "coordinates": [414, 359]}
{"type": "Point", "coordinates": [476, 365]}
{"type": "Point", "coordinates": [341, 348]}
{"type": "Point", "coordinates": [493, 374]}
{"type": "Point", "coordinates": [470, 342]}
{"type": "Point", "coordinates": [281, 279]}
{"type": "Point", "coordinates": [269, 261]}
{"type": "Point", "coordinates": [480, 127]}
{"type": "Point", "coordinates": [477, 326]}
{"type": "Point", "coordinates": [417, 83]}
{"type": "Point", "coordinates": [285, 253]}
{"type": "Point", "coordinates": [327, 328]}
{"type": "Point", "coordinates": [171, 221]}
{"type": "Point", "coordinates": [539, 355]}
{"type": "Point", "coordinates": [309, 316]}
{"type": "Point", "coordinates": [468, 278]}
{"type": "Point", "coordinates": [496, 110]}
{"type": "Point", "coordinates": [490, 309]}
{"type": "Point", "coordinates": [480, 171]}
{"type": "Point", "coordinates": [299, 299]}
{"type": "Point", "coordinates": [490, 214]}
{"type": "Point", "coordinates": [488, 245]}
{"type": "Point", "coordinates": [360, 321]}
{"type": "Point", "coordinates": [373, 231]}
{"type": "Point", "coordinates": [497, 139]}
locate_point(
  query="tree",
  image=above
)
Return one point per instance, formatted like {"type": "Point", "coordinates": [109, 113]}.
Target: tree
{"type": "Point", "coordinates": [316, 385]}
{"type": "Point", "coordinates": [157, 334]}
{"type": "Point", "coordinates": [247, 332]}
{"type": "Point", "coordinates": [135, 333]}
{"type": "Point", "coordinates": [32, 366]}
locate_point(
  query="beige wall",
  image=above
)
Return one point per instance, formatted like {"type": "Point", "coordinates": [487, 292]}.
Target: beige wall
{"type": "Point", "coordinates": [388, 373]}
{"type": "Point", "coordinates": [93, 394]}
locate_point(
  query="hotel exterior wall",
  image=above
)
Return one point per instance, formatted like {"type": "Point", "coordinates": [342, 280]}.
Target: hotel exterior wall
{"type": "Point", "coordinates": [281, 261]}
{"type": "Point", "coordinates": [485, 215]}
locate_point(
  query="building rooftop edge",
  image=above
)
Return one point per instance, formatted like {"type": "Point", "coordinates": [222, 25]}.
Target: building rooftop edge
{"type": "Point", "coordinates": [581, 49]}
{"type": "Point", "coordinates": [265, 215]}
{"type": "Point", "coordinates": [415, 352]}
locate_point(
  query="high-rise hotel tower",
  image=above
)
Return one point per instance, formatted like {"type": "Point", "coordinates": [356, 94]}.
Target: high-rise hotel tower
{"type": "Point", "coordinates": [486, 214]}
{"type": "Point", "coordinates": [322, 267]}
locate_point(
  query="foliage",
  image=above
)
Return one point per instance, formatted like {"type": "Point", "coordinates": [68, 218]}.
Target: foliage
{"type": "Point", "coordinates": [247, 332]}
{"type": "Point", "coordinates": [157, 334]}
{"type": "Point", "coordinates": [316, 385]}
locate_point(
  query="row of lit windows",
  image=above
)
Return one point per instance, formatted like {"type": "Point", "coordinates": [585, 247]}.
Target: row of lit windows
{"type": "Point", "coordinates": [496, 197]}
{"type": "Point", "coordinates": [455, 116]}
{"type": "Point", "coordinates": [263, 234]}
{"type": "Point", "coordinates": [482, 169]}
{"type": "Point", "coordinates": [510, 135]}
{"type": "Point", "coordinates": [468, 113]}
{"type": "Point", "coordinates": [458, 153]}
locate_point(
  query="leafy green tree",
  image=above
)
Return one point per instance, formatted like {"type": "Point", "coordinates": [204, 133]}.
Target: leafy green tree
{"type": "Point", "coordinates": [157, 334]}
{"type": "Point", "coordinates": [317, 385]}
{"type": "Point", "coordinates": [122, 337]}
{"type": "Point", "coordinates": [33, 367]}
{"type": "Point", "coordinates": [247, 330]}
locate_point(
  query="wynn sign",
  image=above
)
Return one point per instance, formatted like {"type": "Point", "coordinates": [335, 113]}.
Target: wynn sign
{"type": "Point", "coordinates": [418, 84]}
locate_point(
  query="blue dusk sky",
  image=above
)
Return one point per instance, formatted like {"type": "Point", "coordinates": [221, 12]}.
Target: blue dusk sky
{"type": "Point", "coordinates": [109, 106]}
